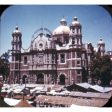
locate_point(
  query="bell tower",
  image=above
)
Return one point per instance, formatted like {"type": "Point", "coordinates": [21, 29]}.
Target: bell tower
{"type": "Point", "coordinates": [76, 33]}
{"type": "Point", "coordinates": [77, 61]}
{"type": "Point", "coordinates": [16, 42]}
{"type": "Point", "coordinates": [16, 55]}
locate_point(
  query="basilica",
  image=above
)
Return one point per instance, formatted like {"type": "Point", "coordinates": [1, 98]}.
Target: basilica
{"type": "Point", "coordinates": [57, 57]}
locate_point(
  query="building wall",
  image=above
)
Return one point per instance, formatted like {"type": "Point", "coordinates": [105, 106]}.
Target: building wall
{"type": "Point", "coordinates": [52, 61]}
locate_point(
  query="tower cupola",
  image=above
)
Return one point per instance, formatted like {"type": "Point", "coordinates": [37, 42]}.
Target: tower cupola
{"type": "Point", "coordinates": [16, 32]}
{"type": "Point", "coordinates": [63, 22]}
{"type": "Point", "coordinates": [75, 22]}
{"type": "Point", "coordinates": [101, 47]}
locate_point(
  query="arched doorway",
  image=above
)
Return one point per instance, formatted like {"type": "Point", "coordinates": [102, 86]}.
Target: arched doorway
{"type": "Point", "coordinates": [62, 79]}
{"type": "Point", "coordinates": [40, 78]}
{"type": "Point", "coordinates": [24, 79]}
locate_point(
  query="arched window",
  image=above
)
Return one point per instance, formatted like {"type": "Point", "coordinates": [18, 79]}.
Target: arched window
{"type": "Point", "coordinates": [73, 30]}
{"type": "Point", "coordinates": [62, 58]}
{"type": "Point", "coordinates": [17, 57]}
{"type": "Point", "coordinates": [78, 54]}
{"type": "Point", "coordinates": [25, 60]}
{"type": "Point", "coordinates": [66, 40]}
{"type": "Point", "coordinates": [73, 40]}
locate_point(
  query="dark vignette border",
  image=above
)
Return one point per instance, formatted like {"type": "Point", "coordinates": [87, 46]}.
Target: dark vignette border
{"type": "Point", "coordinates": [107, 7]}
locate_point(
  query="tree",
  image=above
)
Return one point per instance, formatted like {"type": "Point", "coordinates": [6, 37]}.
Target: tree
{"type": "Point", "coordinates": [96, 73]}
{"type": "Point", "coordinates": [106, 71]}
{"type": "Point", "coordinates": [4, 65]}
{"type": "Point", "coordinates": [102, 69]}
{"type": "Point", "coordinates": [84, 74]}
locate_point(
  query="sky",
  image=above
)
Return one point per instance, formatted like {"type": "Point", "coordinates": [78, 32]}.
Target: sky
{"type": "Point", "coordinates": [95, 20]}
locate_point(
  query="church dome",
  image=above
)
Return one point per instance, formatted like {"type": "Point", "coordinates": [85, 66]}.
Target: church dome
{"type": "Point", "coordinates": [16, 31]}
{"type": "Point", "coordinates": [75, 22]}
{"type": "Point", "coordinates": [62, 29]}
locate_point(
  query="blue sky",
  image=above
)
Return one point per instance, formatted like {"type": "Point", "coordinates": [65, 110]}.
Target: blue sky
{"type": "Point", "coordinates": [96, 22]}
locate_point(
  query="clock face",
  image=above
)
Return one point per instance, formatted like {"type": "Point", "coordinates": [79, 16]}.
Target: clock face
{"type": "Point", "coordinates": [40, 45]}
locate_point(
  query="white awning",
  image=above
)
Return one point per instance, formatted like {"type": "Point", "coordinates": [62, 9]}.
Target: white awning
{"type": "Point", "coordinates": [11, 102]}
{"type": "Point", "coordinates": [101, 89]}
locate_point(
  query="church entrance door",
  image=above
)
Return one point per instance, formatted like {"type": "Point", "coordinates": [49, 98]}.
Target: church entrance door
{"type": "Point", "coordinates": [62, 79]}
{"type": "Point", "coordinates": [40, 78]}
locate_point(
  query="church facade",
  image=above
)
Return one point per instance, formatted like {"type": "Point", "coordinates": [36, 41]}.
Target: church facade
{"type": "Point", "coordinates": [57, 57]}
